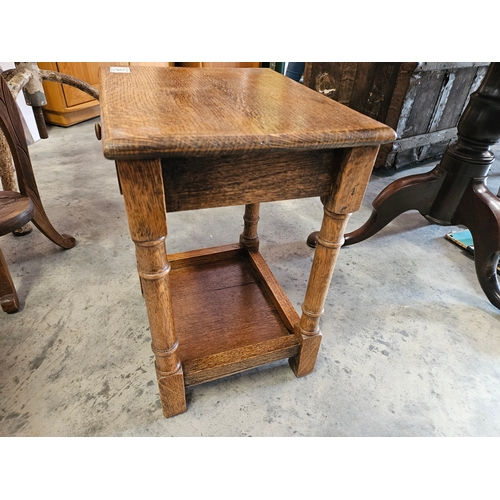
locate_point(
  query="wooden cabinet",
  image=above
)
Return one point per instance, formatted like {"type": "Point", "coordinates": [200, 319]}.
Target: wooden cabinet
{"type": "Point", "coordinates": [67, 105]}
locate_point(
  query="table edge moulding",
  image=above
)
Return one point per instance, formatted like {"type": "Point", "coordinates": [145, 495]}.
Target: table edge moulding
{"type": "Point", "coordinates": [190, 138]}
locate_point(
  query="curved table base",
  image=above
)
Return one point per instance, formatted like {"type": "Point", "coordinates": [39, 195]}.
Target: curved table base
{"type": "Point", "coordinates": [416, 192]}
{"type": "Point", "coordinates": [478, 210]}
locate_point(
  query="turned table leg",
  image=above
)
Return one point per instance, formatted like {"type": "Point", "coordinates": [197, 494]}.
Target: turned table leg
{"type": "Point", "coordinates": [346, 197]}
{"type": "Point", "coordinates": [329, 241]}
{"type": "Point", "coordinates": [249, 237]}
{"type": "Point", "coordinates": [142, 187]}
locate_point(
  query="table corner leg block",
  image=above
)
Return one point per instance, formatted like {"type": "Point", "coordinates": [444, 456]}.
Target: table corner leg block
{"type": "Point", "coordinates": [303, 363]}
{"type": "Point", "coordinates": [172, 392]}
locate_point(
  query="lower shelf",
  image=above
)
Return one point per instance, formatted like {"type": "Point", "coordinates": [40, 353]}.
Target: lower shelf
{"type": "Point", "coordinates": [230, 313]}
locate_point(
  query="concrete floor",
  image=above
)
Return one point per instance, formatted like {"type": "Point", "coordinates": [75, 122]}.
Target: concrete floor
{"type": "Point", "coordinates": [411, 345]}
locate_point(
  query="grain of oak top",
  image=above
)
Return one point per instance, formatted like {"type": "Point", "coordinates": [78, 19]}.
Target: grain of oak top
{"type": "Point", "coordinates": [156, 112]}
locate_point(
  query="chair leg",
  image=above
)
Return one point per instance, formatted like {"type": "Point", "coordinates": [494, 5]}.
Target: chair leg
{"type": "Point", "coordinates": [8, 295]}
{"type": "Point", "coordinates": [43, 223]}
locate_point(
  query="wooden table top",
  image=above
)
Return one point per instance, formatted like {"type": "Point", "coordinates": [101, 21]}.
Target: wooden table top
{"type": "Point", "coordinates": [154, 112]}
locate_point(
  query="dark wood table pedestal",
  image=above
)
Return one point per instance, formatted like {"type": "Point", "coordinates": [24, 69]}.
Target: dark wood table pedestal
{"type": "Point", "coordinates": [455, 191]}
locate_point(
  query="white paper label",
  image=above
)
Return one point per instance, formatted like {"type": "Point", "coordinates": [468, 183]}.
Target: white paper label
{"type": "Point", "coordinates": [119, 69]}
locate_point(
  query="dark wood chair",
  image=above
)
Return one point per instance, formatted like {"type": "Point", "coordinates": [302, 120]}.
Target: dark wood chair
{"type": "Point", "coordinates": [16, 209]}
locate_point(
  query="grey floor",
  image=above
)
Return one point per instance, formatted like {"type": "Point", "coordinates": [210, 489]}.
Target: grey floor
{"type": "Point", "coordinates": [411, 345]}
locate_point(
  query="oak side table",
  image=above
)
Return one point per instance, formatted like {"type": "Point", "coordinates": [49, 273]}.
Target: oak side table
{"type": "Point", "coordinates": [191, 138]}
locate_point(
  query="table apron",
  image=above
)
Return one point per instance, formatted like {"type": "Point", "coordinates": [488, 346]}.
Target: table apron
{"type": "Point", "coordinates": [207, 182]}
